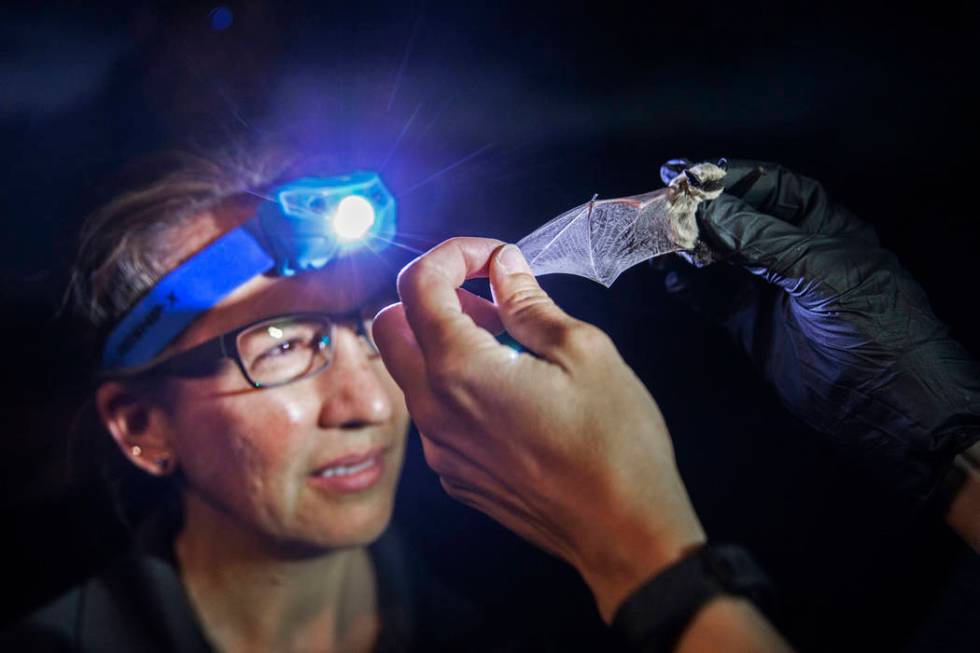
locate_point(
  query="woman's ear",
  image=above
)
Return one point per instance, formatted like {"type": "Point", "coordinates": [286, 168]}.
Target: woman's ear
{"type": "Point", "coordinates": [136, 426]}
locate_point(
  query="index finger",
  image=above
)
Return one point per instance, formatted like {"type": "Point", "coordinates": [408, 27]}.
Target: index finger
{"type": "Point", "coordinates": [427, 288]}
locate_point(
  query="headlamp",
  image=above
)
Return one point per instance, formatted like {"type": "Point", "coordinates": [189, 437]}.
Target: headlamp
{"type": "Point", "coordinates": [314, 219]}
{"type": "Point", "coordinates": [311, 222]}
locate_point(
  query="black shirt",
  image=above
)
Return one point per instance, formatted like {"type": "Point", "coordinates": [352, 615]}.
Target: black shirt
{"type": "Point", "coordinates": [139, 604]}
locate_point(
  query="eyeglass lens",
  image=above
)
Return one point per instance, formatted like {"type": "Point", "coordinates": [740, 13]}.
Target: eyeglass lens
{"type": "Point", "coordinates": [286, 349]}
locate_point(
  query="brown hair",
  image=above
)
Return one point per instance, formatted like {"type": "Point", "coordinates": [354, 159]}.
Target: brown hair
{"type": "Point", "coordinates": [121, 256]}
{"type": "Point", "coordinates": [121, 246]}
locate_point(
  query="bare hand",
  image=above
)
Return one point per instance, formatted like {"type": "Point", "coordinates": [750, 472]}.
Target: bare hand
{"type": "Point", "coordinates": [566, 448]}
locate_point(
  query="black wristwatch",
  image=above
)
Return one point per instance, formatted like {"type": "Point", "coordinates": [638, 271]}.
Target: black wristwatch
{"type": "Point", "coordinates": [655, 615]}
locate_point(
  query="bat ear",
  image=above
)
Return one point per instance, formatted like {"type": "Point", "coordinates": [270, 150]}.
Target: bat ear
{"type": "Point", "coordinates": [673, 168]}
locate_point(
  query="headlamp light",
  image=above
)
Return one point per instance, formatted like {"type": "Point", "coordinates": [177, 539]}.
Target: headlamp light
{"type": "Point", "coordinates": [311, 222]}
{"type": "Point", "coordinates": [354, 218]}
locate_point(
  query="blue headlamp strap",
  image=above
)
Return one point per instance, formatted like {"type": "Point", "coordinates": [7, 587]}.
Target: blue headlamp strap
{"type": "Point", "coordinates": [182, 295]}
{"type": "Point", "coordinates": [311, 222]}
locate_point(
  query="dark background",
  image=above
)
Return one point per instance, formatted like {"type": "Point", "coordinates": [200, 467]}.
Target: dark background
{"type": "Point", "coordinates": [488, 119]}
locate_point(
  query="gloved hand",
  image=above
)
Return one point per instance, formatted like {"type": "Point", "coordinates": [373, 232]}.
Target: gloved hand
{"type": "Point", "coordinates": [843, 332]}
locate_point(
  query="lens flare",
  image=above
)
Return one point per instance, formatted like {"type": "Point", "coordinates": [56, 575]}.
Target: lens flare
{"type": "Point", "coordinates": [354, 217]}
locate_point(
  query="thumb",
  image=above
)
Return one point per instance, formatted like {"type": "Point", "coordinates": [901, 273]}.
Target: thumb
{"type": "Point", "coordinates": [527, 312]}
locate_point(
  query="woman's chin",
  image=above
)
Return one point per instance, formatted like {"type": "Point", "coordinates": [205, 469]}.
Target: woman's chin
{"type": "Point", "coordinates": [355, 528]}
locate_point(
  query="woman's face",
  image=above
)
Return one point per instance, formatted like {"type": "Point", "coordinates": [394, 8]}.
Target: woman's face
{"type": "Point", "coordinates": [312, 464]}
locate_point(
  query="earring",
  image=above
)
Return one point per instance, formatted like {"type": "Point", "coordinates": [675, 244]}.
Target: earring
{"type": "Point", "coordinates": [136, 450]}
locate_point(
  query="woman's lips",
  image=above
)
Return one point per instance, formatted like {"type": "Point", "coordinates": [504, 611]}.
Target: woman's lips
{"type": "Point", "coordinates": [352, 473]}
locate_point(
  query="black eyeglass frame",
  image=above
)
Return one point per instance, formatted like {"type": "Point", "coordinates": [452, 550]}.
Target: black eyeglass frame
{"type": "Point", "coordinates": [199, 360]}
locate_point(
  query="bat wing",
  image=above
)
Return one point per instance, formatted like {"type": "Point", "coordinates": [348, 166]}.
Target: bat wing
{"type": "Point", "coordinates": [600, 239]}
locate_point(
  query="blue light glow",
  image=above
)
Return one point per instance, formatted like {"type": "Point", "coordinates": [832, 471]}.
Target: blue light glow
{"type": "Point", "coordinates": [221, 18]}
{"type": "Point", "coordinates": [326, 217]}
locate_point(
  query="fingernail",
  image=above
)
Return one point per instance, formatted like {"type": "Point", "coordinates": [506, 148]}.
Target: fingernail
{"type": "Point", "coordinates": [512, 261]}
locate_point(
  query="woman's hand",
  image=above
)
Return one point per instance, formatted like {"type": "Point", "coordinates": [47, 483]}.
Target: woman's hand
{"type": "Point", "coordinates": [566, 447]}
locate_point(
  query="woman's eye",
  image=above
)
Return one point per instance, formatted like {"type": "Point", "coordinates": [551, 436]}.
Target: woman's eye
{"type": "Point", "coordinates": [281, 349]}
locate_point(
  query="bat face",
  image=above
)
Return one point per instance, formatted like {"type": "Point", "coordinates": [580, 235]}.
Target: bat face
{"type": "Point", "coordinates": [694, 185]}
{"type": "Point", "coordinates": [702, 181]}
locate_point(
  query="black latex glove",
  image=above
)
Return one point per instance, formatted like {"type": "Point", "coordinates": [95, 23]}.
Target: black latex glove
{"type": "Point", "coordinates": [843, 332]}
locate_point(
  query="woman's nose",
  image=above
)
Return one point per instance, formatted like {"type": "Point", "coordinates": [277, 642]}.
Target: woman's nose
{"type": "Point", "coordinates": [355, 392]}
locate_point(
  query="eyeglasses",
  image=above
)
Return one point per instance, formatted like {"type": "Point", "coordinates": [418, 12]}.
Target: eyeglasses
{"type": "Point", "coordinates": [273, 351]}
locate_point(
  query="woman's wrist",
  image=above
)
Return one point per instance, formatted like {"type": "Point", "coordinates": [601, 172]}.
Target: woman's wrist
{"type": "Point", "coordinates": [625, 566]}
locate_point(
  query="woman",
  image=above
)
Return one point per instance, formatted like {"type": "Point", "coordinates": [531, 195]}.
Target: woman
{"type": "Point", "coordinates": [284, 450]}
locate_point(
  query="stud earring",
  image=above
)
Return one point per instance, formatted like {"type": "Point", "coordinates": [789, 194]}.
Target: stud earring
{"type": "Point", "coordinates": [136, 450]}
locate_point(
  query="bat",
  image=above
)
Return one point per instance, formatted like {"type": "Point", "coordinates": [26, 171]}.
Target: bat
{"type": "Point", "coordinates": [601, 239]}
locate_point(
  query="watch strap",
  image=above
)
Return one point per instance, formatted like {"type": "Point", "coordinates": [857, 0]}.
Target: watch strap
{"type": "Point", "coordinates": [655, 615]}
